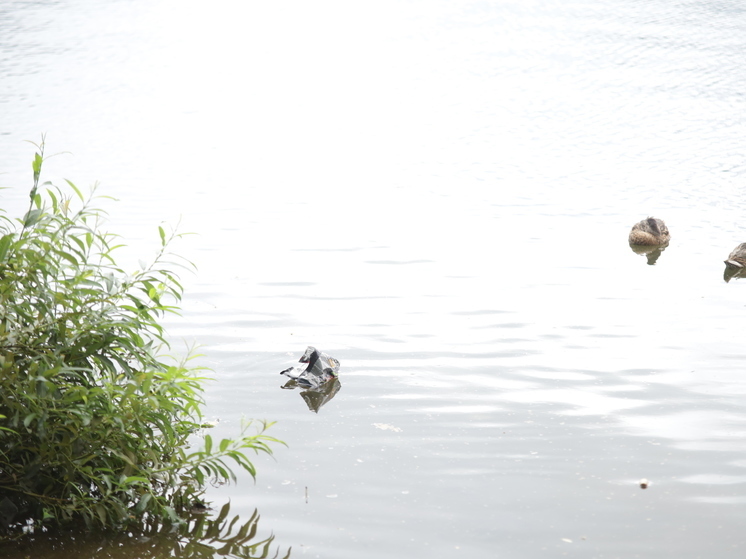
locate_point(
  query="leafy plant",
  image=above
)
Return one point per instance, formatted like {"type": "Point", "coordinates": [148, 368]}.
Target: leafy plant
{"type": "Point", "coordinates": [95, 423]}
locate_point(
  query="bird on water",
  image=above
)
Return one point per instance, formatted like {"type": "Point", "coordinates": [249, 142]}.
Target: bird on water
{"type": "Point", "coordinates": [649, 232]}
{"type": "Point", "coordinates": [737, 257]}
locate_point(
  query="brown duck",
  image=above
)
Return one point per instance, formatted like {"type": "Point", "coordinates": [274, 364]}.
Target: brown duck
{"type": "Point", "coordinates": [737, 257]}
{"type": "Point", "coordinates": [649, 232]}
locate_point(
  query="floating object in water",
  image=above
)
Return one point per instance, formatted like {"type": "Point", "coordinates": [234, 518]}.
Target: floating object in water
{"type": "Point", "coordinates": [387, 427]}
{"type": "Point", "coordinates": [318, 379]}
{"type": "Point", "coordinates": [649, 238]}
{"type": "Point", "coordinates": [735, 265]}
{"type": "Point", "coordinates": [737, 257]}
{"type": "Point", "coordinates": [649, 232]}
{"type": "Point", "coordinates": [644, 483]}
{"type": "Point", "coordinates": [320, 369]}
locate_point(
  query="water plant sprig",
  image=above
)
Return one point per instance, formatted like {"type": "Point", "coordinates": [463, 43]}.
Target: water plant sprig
{"type": "Point", "coordinates": [97, 423]}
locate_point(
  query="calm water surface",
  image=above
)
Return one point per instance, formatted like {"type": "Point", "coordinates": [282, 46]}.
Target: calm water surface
{"type": "Point", "coordinates": [438, 194]}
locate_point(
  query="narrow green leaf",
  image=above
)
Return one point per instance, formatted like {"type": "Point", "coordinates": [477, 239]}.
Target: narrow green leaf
{"type": "Point", "coordinates": [224, 444]}
{"type": "Point", "coordinates": [28, 419]}
{"type": "Point", "coordinates": [143, 503]}
{"type": "Point", "coordinates": [32, 217]}
{"type": "Point", "coordinates": [51, 195]}
{"type": "Point", "coordinates": [67, 256]}
{"type": "Point", "coordinates": [36, 165]}
{"type": "Point", "coordinates": [75, 188]}
{"type": "Point", "coordinates": [5, 242]}
{"type": "Point", "coordinates": [101, 511]}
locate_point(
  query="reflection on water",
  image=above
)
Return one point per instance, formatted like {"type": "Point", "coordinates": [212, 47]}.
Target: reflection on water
{"type": "Point", "coordinates": [201, 537]}
{"type": "Point", "coordinates": [735, 264]}
{"type": "Point", "coordinates": [651, 252]}
{"type": "Point", "coordinates": [732, 272]}
{"type": "Point", "coordinates": [318, 396]}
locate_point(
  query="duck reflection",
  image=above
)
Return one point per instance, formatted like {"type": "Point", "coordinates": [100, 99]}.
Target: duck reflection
{"type": "Point", "coordinates": [316, 398]}
{"type": "Point", "coordinates": [652, 253]}
{"type": "Point", "coordinates": [649, 237]}
{"type": "Point", "coordinates": [735, 264]}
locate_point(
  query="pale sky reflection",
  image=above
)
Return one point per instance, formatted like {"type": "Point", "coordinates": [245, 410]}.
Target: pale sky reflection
{"type": "Point", "coordinates": [693, 430]}
{"type": "Point", "coordinates": [581, 402]}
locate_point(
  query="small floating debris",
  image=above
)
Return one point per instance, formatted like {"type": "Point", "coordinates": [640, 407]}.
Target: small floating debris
{"type": "Point", "coordinates": [644, 483]}
{"type": "Point", "coordinates": [387, 427]}
{"type": "Point", "coordinates": [318, 380]}
{"type": "Point", "coordinates": [320, 369]}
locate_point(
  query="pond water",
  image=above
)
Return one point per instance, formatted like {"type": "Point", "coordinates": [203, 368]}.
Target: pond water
{"type": "Point", "coordinates": [438, 194]}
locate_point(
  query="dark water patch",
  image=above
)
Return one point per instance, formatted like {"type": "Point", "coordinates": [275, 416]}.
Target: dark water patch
{"type": "Point", "coordinates": [207, 535]}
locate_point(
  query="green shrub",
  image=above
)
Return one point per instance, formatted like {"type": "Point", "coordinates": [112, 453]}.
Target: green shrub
{"type": "Point", "coordinates": [95, 423]}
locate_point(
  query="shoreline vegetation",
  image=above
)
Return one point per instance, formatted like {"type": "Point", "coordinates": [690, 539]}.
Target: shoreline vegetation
{"type": "Point", "coordinates": [98, 425]}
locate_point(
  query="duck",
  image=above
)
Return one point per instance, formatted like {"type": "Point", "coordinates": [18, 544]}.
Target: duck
{"type": "Point", "coordinates": [737, 257]}
{"type": "Point", "coordinates": [649, 232]}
